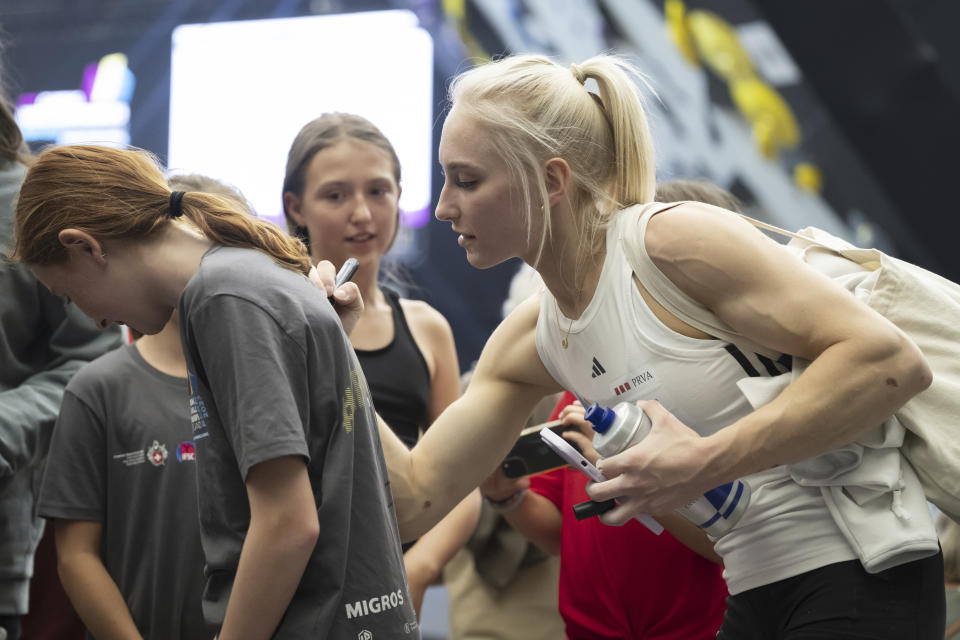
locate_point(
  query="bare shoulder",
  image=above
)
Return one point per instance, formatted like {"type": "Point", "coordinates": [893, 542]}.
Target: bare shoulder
{"type": "Point", "coordinates": [711, 253]}
{"type": "Point", "coordinates": [433, 336]}
{"type": "Point", "coordinates": [697, 229]}
{"type": "Point", "coordinates": [422, 317]}
{"type": "Point", "coordinates": [754, 284]}
{"type": "Point", "coordinates": [510, 354]}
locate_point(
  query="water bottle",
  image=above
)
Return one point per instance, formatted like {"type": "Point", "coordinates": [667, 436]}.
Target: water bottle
{"type": "Point", "coordinates": [716, 511]}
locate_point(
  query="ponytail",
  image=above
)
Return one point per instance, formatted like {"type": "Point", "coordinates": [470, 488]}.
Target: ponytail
{"type": "Point", "coordinates": [218, 219]}
{"type": "Point", "coordinates": [532, 109]}
{"type": "Point", "coordinates": [121, 194]}
{"type": "Point", "coordinates": [635, 180]}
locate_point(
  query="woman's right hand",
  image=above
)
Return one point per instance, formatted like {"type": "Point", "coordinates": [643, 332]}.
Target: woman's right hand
{"type": "Point", "coordinates": [346, 298]}
{"type": "Point", "coordinates": [573, 414]}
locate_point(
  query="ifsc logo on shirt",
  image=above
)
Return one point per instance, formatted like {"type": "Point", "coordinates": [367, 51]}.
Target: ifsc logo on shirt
{"type": "Point", "coordinates": [186, 452]}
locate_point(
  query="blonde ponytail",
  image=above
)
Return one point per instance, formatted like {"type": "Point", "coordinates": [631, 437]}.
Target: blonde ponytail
{"type": "Point", "coordinates": [533, 109]}
{"type": "Point", "coordinates": [635, 180]}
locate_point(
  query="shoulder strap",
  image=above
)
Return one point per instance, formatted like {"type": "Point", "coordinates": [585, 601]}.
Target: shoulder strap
{"type": "Point", "coordinates": [775, 229]}
{"type": "Point", "coordinates": [400, 324]}
{"type": "Point", "coordinates": [632, 234]}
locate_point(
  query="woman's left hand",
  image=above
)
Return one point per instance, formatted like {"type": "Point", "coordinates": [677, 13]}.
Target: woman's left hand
{"type": "Point", "coordinates": [346, 298]}
{"type": "Point", "coordinates": [662, 472]}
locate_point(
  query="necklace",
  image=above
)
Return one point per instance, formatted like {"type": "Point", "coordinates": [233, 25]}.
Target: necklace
{"type": "Point", "coordinates": [564, 342]}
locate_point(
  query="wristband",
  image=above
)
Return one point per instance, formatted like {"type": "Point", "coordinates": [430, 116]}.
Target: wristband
{"type": "Point", "coordinates": [507, 504]}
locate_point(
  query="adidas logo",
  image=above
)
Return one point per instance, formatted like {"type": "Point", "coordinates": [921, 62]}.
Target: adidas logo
{"type": "Point", "coordinates": [598, 369]}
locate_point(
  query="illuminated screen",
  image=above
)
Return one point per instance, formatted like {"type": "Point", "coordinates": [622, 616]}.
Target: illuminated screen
{"type": "Point", "coordinates": [97, 113]}
{"type": "Point", "coordinates": [240, 92]}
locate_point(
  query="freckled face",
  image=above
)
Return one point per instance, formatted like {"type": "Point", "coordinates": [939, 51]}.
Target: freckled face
{"type": "Point", "coordinates": [350, 202]}
{"type": "Point", "coordinates": [480, 197]}
{"type": "Point", "coordinates": [107, 294]}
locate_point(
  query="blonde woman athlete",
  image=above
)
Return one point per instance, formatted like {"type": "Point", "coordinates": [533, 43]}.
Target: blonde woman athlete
{"type": "Point", "coordinates": [554, 165]}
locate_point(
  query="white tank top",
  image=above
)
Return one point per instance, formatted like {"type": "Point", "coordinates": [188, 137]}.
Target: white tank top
{"type": "Point", "coordinates": [619, 350]}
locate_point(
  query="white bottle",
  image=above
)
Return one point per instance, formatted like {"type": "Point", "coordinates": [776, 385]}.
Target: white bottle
{"type": "Point", "coordinates": [623, 426]}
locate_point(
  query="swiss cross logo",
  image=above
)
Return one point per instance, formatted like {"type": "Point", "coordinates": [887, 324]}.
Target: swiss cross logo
{"type": "Point", "coordinates": [157, 454]}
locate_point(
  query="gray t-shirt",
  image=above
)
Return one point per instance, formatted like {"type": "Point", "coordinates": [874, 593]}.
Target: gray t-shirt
{"type": "Point", "coordinates": [272, 374]}
{"type": "Point", "coordinates": [122, 455]}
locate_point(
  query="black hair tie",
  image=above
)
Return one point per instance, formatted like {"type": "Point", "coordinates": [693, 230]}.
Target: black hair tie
{"type": "Point", "coordinates": [176, 210]}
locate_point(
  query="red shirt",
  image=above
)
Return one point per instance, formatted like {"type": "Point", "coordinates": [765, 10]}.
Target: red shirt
{"type": "Point", "coordinates": [626, 582]}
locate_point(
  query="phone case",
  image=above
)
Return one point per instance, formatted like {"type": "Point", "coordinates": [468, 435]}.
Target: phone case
{"type": "Point", "coordinates": [530, 455]}
{"type": "Point", "coordinates": [566, 451]}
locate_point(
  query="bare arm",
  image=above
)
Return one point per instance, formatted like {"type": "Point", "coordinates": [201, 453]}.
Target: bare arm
{"type": "Point", "coordinates": [283, 532]}
{"type": "Point", "coordinates": [539, 520]}
{"type": "Point", "coordinates": [536, 517]}
{"type": "Point", "coordinates": [92, 591]}
{"type": "Point", "coordinates": [863, 368]}
{"type": "Point", "coordinates": [425, 560]}
{"type": "Point", "coordinates": [434, 338]}
{"type": "Point", "coordinates": [470, 438]}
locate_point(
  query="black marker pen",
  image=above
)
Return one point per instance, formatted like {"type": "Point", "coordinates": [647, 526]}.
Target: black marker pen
{"type": "Point", "coordinates": [591, 508]}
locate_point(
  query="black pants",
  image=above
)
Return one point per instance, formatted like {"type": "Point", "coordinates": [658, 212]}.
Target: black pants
{"type": "Point", "coordinates": [11, 625]}
{"type": "Point", "coordinates": [842, 601]}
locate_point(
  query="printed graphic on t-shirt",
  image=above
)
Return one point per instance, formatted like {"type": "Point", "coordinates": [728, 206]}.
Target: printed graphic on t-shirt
{"type": "Point", "coordinates": [198, 410]}
{"type": "Point", "coordinates": [596, 369]}
{"type": "Point", "coordinates": [641, 382]}
{"type": "Point", "coordinates": [157, 454]}
{"type": "Point", "coordinates": [355, 397]}
{"type": "Point", "coordinates": [131, 458]}
{"type": "Point", "coordinates": [186, 452]}
{"type": "Point", "coordinates": [375, 605]}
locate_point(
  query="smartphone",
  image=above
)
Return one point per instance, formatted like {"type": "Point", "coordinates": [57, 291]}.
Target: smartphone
{"type": "Point", "coordinates": [530, 455]}
{"type": "Point", "coordinates": [564, 449]}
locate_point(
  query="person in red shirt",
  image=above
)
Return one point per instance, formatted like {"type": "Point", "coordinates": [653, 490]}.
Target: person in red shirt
{"type": "Point", "coordinates": [615, 582]}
